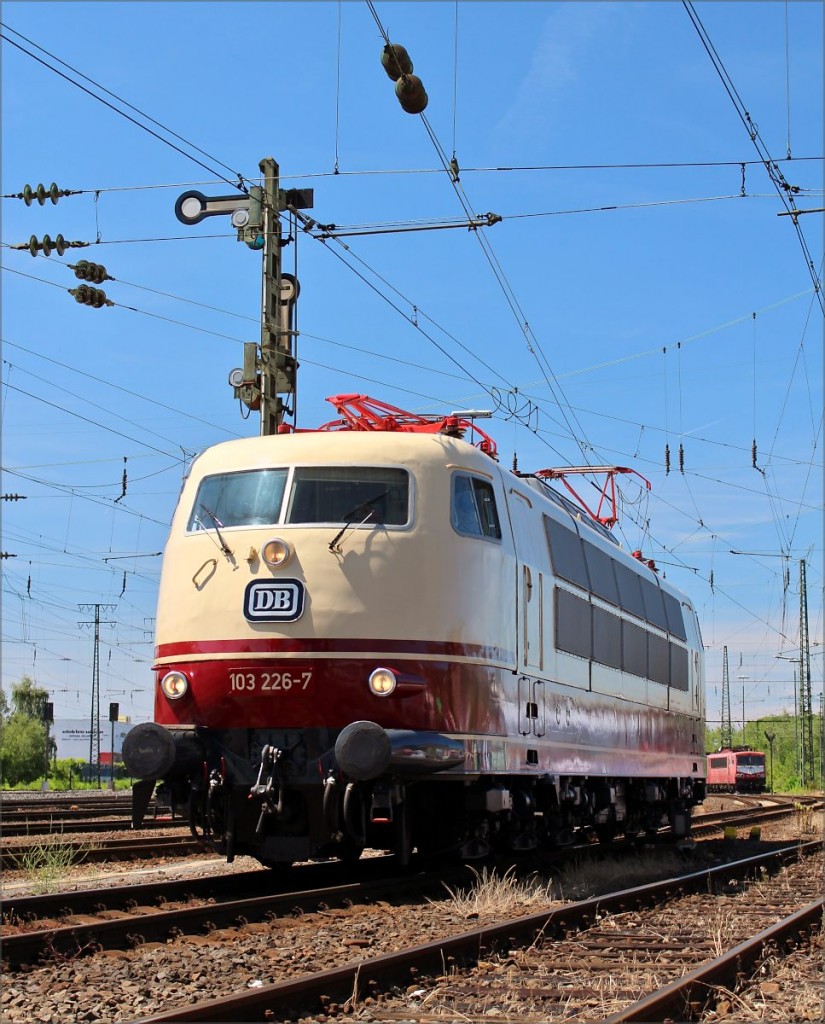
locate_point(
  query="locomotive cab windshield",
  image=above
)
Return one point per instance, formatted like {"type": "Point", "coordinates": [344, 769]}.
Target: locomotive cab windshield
{"type": "Point", "coordinates": [305, 495]}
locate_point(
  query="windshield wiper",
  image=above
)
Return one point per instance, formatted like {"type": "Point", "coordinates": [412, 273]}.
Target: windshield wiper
{"type": "Point", "coordinates": [353, 514]}
{"type": "Point", "coordinates": [217, 525]}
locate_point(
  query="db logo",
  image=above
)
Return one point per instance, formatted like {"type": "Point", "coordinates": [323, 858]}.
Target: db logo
{"type": "Point", "coordinates": [273, 601]}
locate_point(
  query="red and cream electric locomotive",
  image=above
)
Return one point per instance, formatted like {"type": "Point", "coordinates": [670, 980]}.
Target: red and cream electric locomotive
{"type": "Point", "coordinates": [373, 634]}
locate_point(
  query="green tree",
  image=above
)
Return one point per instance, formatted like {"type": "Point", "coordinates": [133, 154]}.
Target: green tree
{"type": "Point", "coordinates": [29, 699]}
{"type": "Point", "coordinates": [22, 749]}
{"type": "Point", "coordinates": [67, 773]}
{"type": "Point", "coordinates": [23, 739]}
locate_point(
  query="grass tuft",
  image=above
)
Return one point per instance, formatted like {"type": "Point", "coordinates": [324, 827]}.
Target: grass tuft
{"type": "Point", "coordinates": [45, 863]}
{"type": "Point", "coordinates": [493, 894]}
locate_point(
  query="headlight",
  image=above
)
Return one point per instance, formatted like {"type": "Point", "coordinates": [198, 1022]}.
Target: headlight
{"type": "Point", "coordinates": [174, 685]}
{"type": "Point", "coordinates": [275, 552]}
{"type": "Point", "coordinates": [382, 682]}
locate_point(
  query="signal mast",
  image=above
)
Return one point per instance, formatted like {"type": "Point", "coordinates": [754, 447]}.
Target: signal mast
{"type": "Point", "coordinates": [268, 378]}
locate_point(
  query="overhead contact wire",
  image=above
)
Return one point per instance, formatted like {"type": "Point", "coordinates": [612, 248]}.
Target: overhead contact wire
{"type": "Point", "coordinates": [782, 187]}
{"type": "Point", "coordinates": [489, 254]}
{"type": "Point", "coordinates": [239, 184]}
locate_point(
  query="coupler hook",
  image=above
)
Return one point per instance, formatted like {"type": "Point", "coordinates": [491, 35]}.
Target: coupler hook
{"type": "Point", "coordinates": [270, 756]}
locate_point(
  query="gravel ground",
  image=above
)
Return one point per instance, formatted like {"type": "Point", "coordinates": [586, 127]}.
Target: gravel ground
{"type": "Point", "coordinates": [93, 876]}
{"type": "Point", "coordinates": [125, 984]}
{"type": "Point", "coordinates": [789, 990]}
{"type": "Point", "coordinates": [90, 876]}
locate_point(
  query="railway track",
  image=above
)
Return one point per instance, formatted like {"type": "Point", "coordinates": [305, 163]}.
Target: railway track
{"type": "Point", "coordinates": [78, 826]}
{"type": "Point", "coordinates": [12, 857]}
{"type": "Point", "coordinates": [753, 813]}
{"type": "Point", "coordinates": [139, 924]}
{"type": "Point", "coordinates": [50, 907]}
{"type": "Point", "coordinates": [182, 844]}
{"type": "Point", "coordinates": [44, 814]}
{"type": "Point", "coordinates": [148, 916]}
{"type": "Point", "coordinates": [533, 959]}
{"type": "Point", "coordinates": [118, 916]}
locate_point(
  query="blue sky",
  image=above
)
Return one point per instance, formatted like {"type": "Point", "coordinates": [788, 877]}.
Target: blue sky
{"type": "Point", "coordinates": [683, 314]}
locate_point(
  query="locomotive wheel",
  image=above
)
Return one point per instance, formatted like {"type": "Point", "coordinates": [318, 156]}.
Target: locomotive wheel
{"type": "Point", "coordinates": [349, 851]}
{"type": "Point", "coordinates": [355, 816]}
{"type": "Point", "coordinates": [606, 830]}
{"type": "Point", "coordinates": [230, 830]}
{"type": "Point", "coordinates": [606, 833]}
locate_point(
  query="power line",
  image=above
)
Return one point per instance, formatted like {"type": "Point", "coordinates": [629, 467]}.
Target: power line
{"type": "Point", "coordinates": [94, 423]}
{"type": "Point", "coordinates": [486, 389]}
{"type": "Point", "coordinates": [118, 387]}
{"type": "Point", "coordinates": [239, 183]}
{"type": "Point", "coordinates": [783, 189]}
{"type": "Point", "coordinates": [531, 168]}
{"type": "Point", "coordinates": [402, 171]}
{"type": "Point", "coordinates": [533, 345]}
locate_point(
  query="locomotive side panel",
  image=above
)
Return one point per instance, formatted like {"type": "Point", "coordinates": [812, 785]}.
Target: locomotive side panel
{"type": "Point", "coordinates": [577, 713]}
{"type": "Point", "coordinates": [605, 622]}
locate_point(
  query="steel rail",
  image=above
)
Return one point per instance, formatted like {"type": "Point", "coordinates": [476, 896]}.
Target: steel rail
{"type": "Point", "coordinates": [114, 849]}
{"type": "Point", "coordinates": [353, 979]}
{"type": "Point", "coordinates": [257, 881]}
{"type": "Point", "coordinates": [159, 925]}
{"type": "Point", "coordinates": [717, 820]}
{"type": "Point", "coordinates": [675, 997]}
{"type": "Point", "coordinates": [69, 826]}
{"type": "Point", "coordinates": [148, 922]}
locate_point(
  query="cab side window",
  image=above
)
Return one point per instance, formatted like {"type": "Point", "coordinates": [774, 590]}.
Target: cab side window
{"type": "Point", "coordinates": [473, 507]}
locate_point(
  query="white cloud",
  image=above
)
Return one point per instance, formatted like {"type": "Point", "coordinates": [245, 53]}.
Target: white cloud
{"type": "Point", "coordinates": [557, 65]}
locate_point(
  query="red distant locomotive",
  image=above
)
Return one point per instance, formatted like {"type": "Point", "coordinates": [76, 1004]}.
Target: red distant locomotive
{"type": "Point", "coordinates": [736, 770]}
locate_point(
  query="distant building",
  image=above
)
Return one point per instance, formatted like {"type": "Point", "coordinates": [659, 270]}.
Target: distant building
{"type": "Point", "coordinates": [72, 736]}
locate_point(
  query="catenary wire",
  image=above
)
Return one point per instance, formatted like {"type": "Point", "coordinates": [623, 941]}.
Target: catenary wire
{"type": "Point", "coordinates": [783, 189]}
{"type": "Point", "coordinates": [239, 183]}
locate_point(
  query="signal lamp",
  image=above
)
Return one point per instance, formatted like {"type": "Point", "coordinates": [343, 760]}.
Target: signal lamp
{"type": "Point", "coordinates": [174, 685]}
{"type": "Point", "coordinates": [275, 552]}
{"type": "Point", "coordinates": [382, 682]}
